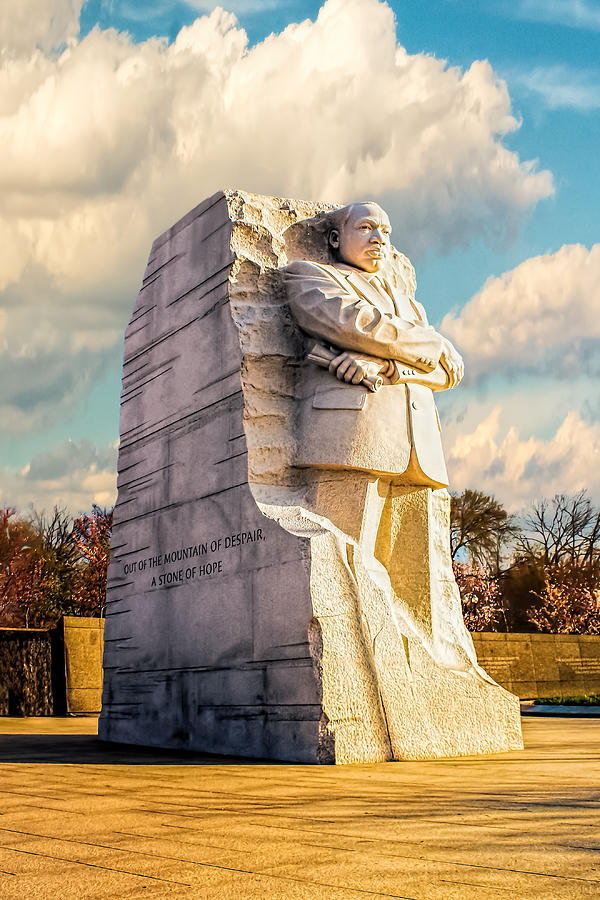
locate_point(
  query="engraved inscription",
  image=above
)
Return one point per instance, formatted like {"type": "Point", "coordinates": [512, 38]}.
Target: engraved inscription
{"type": "Point", "coordinates": [581, 666]}
{"type": "Point", "coordinates": [498, 664]}
{"type": "Point", "coordinates": [207, 567]}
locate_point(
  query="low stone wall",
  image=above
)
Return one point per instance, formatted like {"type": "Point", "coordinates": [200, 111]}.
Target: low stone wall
{"type": "Point", "coordinates": [25, 672]}
{"type": "Point", "coordinates": [541, 665]}
{"type": "Point", "coordinates": [46, 672]}
{"type": "Point", "coordinates": [84, 645]}
{"type": "Point", "coordinates": [529, 665]}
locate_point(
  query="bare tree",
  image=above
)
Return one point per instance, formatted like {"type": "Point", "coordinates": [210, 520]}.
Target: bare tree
{"type": "Point", "coordinates": [60, 561]}
{"type": "Point", "coordinates": [561, 541]}
{"type": "Point", "coordinates": [480, 529]}
{"type": "Point", "coordinates": [563, 530]}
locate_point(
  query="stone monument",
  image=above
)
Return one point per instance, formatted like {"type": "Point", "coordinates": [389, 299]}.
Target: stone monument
{"type": "Point", "coordinates": [280, 582]}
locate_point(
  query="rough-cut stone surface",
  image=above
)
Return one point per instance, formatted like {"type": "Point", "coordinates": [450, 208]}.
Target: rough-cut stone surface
{"type": "Point", "coordinates": [26, 672]}
{"type": "Point", "coordinates": [247, 613]}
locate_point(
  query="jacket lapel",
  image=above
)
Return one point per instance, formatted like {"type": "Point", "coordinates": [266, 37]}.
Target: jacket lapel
{"type": "Point", "coordinates": [369, 292]}
{"type": "Point", "coordinates": [363, 287]}
{"type": "Point", "coordinates": [403, 302]}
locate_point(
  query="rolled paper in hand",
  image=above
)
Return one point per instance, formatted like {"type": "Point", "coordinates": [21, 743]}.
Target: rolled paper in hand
{"type": "Point", "coordinates": [322, 356]}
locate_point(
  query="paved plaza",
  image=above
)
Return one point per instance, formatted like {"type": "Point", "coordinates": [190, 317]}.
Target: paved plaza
{"type": "Point", "coordinates": [79, 819]}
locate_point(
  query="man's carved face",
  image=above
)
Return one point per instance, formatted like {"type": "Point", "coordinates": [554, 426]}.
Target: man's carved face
{"type": "Point", "coordinates": [364, 238]}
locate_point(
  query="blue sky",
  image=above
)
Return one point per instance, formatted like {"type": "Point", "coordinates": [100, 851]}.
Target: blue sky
{"type": "Point", "coordinates": [489, 170]}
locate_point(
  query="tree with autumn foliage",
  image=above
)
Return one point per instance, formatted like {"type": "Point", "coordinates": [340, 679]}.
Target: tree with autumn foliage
{"type": "Point", "coordinates": [52, 566]}
{"type": "Point", "coordinates": [91, 537]}
{"type": "Point", "coordinates": [569, 602]}
{"type": "Point", "coordinates": [21, 570]}
{"type": "Point", "coordinates": [481, 597]}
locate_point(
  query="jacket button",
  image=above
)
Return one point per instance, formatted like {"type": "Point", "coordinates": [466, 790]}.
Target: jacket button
{"type": "Point", "coordinates": [415, 405]}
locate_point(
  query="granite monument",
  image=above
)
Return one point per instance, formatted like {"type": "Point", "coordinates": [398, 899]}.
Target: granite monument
{"type": "Point", "coordinates": [280, 582]}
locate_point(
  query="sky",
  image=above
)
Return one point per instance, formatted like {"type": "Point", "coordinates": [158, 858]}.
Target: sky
{"type": "Point", "coordinates": [474, 124]}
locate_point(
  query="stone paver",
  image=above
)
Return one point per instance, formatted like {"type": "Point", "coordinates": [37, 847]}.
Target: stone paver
{"type": "Point", "coordinates": [79, 819]}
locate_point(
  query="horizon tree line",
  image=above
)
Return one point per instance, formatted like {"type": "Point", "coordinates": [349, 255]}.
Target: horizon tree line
{"type": "Point", "coordinates": [536, 572]}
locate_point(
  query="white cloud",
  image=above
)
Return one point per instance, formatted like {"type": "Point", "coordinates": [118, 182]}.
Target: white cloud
{"type": "Point", "coordinates": [55, 345]}
{"type": "Point", "coordinates": [108, 143]}
{"type": "Point", "coordinates": [572, 13]}
{"type": "Point", "coordinates": [540, 317]}
{"type": "Point", "coordinates": [26, 25]}
{"type": "Point", "coordinates": [561, 87]}
{"type": "Point", "coordinates": [531, 340]}
{"type": "Point", "coordinates": [516, 470]}
{"type": "Point", "coordinates": [70, 475]}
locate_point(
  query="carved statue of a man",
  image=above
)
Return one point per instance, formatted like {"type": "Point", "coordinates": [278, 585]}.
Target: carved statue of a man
{"type": "Point", "coordinates": [366, 422]}
{"type": "Point", "coordinates": [374, 334]}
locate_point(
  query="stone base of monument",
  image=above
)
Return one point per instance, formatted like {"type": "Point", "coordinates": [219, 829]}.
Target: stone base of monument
{"type": "Point", "coordinates": [257, 608]}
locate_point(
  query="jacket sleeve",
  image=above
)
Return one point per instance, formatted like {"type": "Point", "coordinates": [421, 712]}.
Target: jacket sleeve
{"type": "Point", "coordinates": [436, 380]}
{"type": "Point", "coordinates": [327, 310]}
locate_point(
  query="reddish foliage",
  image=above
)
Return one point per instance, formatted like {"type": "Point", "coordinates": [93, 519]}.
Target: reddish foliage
{"type": "Point", "coordinates": [570, 600]}
{"type": "Point", "coordinates": [480, 596]}
{"type": "Point", "coordinates": [91, 536]}
{"type": "Point", "coordinates": [52, 566]}
{"type": "Point", "coordinates": [21, 571]}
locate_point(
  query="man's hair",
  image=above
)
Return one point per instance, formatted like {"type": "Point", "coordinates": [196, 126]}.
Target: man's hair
{"type": "Point", "coordinates": [337, 218]}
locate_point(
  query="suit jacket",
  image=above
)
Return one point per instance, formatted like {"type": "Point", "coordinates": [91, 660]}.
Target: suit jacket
{"type": "Point", "coordinates": [394, 431]}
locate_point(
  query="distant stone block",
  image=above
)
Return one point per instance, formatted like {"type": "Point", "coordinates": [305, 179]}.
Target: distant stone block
{"type": "Point", "coordinates": [542, 665]}
{"type": "Point", "coordinates": [83, 648]}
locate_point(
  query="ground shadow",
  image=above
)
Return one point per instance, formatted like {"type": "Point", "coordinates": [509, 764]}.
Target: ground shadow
{"type": "Point", "coordinates": [87, 749]}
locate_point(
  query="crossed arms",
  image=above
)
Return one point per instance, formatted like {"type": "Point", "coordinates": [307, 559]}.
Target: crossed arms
{"type": "Point", "coordinates": [370, 341]}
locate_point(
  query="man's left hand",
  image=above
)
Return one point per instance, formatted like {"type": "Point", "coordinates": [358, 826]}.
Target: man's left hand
{"type": "Point", "coordinates": [452, 362]}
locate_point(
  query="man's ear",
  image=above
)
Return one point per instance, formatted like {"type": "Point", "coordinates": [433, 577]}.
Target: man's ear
{"type": "Point", "coordinates": [334, 238]}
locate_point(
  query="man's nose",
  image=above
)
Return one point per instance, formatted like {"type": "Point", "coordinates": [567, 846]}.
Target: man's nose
{"type": "Point", "coordinates": [377, 236]}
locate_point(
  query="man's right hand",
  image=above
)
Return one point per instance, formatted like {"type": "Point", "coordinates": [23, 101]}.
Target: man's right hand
{"type": "Point", "coordinates": [355, 367]}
